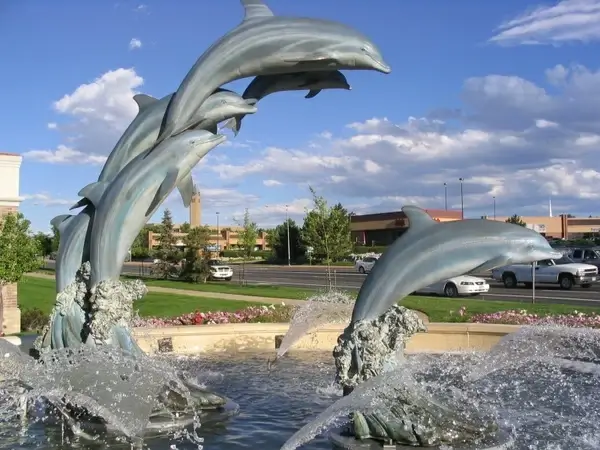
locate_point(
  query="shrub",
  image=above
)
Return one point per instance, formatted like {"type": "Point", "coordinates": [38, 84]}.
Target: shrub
{"type": "Point", "coordinates": [362, 249]}
{"type": "Point", "coordinates": [33, 320]}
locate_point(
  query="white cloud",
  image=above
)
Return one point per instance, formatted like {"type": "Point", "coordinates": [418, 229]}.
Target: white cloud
{"type": "Point", "coordinates": [46, 199]}
{"type": "Point", "coordinates": [565, 21]}
{"type": "Point", "coordinates": [141, 8]}
{"type": "Point", "coordinates": [518, 141]}
{"type": "Point", "coordinates": [271, 183]}
{"type": "Point", "coordinates": [99, 112]}
{"type": "Point", "coordinates": [64, 155]}
{"type": "Point", "coordinates": [134, 44]}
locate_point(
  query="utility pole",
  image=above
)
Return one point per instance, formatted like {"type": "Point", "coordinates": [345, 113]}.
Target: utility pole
{"type": "Point", "coordinates": [462, 202]}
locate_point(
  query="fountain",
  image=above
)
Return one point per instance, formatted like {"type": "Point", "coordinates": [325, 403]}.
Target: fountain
{"type": "Point", "coordinates": [104, 379]}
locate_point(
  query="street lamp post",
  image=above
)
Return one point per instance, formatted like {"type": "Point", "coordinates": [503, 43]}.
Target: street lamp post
{"type": "Point", "coordinates": [287, 221]}
{"type": "Point", "coordinates": [446, 196]}
{"type": "Point", "coordinates": [494, 197]}
{"type": "Point", "coordinates": [462, 202]}
{"type": "Point", "coordinates": [218, 235]}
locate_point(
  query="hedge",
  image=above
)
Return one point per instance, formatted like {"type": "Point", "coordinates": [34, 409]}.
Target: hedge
{"type": "Point", "coordinates": [239, 254]}
{"type": "Point", "coordinates": [361, 249]}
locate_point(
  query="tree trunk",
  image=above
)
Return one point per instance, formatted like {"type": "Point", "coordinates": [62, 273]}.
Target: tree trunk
{"type": "Point", "coordinates": [2, 291]}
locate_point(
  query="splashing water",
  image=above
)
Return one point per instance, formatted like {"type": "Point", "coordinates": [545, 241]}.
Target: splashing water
{"type": "Point", "coordinates": [320, 309]}
{"type": "Point", "coordinates": [92, 389]}
{"type": "Point", "coordinates": [540, 383]}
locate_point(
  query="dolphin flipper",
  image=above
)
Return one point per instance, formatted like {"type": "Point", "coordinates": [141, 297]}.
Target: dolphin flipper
{"type": "Point", "coordinates": [491, 264]}
{"type": "Point", "coordinates": [186, 189]}
{"type": "Point", "coordinates": [94, 192]}
{"type": "Point", "coordinates": [312, 93]}
{"type": "Point", "coordinates": [234, 124]}
{"type": "Point", "coordinates": [143, 101]}
{"type": "Point", "coordinates": [256, 9]}
{"type": "Point", "coordinates": [167, 186]}
{"type": "Point", "coordinates": [59, 221]}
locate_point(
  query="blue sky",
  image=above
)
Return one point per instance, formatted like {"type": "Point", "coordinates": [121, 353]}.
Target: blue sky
{"type": "Point", "coordinates": [503, 94]}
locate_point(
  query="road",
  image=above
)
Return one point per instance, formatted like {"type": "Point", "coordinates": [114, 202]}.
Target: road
{"type": "Point", "coordinates": [315, 278]}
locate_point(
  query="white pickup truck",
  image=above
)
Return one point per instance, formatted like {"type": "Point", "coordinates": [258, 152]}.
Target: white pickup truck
{"type": "Point", "coordinates": [563, 272]}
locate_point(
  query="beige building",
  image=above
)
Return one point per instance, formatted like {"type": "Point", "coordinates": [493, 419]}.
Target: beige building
{"type": "Point", "coordinates": [562, 226]}
{"type": "Point", "coordinates": [222, 237]}
{"type": "Point", "coordinates": [10, 167]}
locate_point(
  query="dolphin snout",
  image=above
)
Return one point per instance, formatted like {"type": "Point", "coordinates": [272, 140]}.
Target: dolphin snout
{"type": "Point", "coordinates": [382, 67]}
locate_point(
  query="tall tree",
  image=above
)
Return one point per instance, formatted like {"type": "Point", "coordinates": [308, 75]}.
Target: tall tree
{"type": "Point", "coordinates": [55, 238]}
{"type": "Point", "coordinates": [516, 220]}
{"type": "Point", "coordinates": [327, 230]}
{"type": "Point", "coordinates": [19, 253]}
{"type": "Point", "coordinates": [167, 255]}
{"type": "Point", "coordinates": [185, 227]}
{"type": "Point", "coordinates": [196, 268]}
{"type": "Point", "coordinates": [279, 241]}
{"type": "Point", "coordinates": [247, 239]}
{"type": "Point", "coordinates": [45, 242]}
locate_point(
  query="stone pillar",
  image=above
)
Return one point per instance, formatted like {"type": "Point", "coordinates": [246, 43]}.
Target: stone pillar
{"type": "Point", "coordinates": [10, 167]}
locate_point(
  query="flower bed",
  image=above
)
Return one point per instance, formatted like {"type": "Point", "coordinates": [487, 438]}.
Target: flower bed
{"type": "Point", "coordinates": [251, 314]}
{"type": "Point", "coordinates": [522, 317]}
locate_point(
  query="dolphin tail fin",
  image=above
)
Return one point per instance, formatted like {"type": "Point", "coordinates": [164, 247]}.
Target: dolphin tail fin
{"type": "Point", "coordinates": [163, 191]}
{"type": "Point", "coordinates": [312, 93]}
{"type": "Point", "coordinates": [143, 101]}
{"type": "Point", "coordinates": [94, 192]}
{"type": "Point", "coordinates": [59, 222]}
{"type": "Point", "coordinates": [82, 202]}
{"type": "Point", "coordinates": [186, 189]}
{"type": "Point", "coordinates": [256, 9]}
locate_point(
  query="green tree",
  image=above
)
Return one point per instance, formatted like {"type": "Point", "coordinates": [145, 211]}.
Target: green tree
{"type": "Point", "coordinates": [247, 239]}
{"type": "Point", "coordinates": [140, 248]}
{"type": "Point", "coordinates": [167, 255]}
{"type": "Point", "coordinates": [327, 230]}
{"type": "Point", "coordinates": [516, 220]}
{"type": "Point", "coordinates": [55, 239]}
{"type": "Point", "coordinates": [19, 253]}
{"type": "Point", "coordinates": [185, 227]}
{"type": "Point", "coordinates": [279, 238]}
{"type": "Point", "coordinates": [196, 268]}
{"type": "Point", "coordinates": [45, 243]}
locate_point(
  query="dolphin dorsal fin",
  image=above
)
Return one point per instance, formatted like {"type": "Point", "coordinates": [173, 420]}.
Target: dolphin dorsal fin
{"type": "Point", "coordinates": [94, 192]}
{"type": "Point", "coordinates": [256, 9]}
{"type": "Point", "coordinates": [60, 221]}
{"type": "Point", "coordinates": [82, 202]}
{"type": "Point", "coordinates": [143, 101]}
{"type": "Point", "coordinates": [417, 217]}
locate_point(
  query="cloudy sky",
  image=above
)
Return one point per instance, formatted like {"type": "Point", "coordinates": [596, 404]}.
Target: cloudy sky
{"type": "Point", "coordinates": [503, 94]}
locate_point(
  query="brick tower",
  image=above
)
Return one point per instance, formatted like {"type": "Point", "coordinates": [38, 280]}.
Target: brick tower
{"type": "Point", "coordinates": [196, 209]}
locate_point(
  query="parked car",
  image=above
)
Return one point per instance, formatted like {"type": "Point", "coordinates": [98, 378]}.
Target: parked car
{"type": "Point", "coordinates": [219, 270]}
{"type": "Point", "coordinates": [585, 255]}
{"type": "Point", "coordinates": [454, 287]}
{"type": "Point", "coordinates": [365, 265]}
{"type": "Point", "coordinates": [563, 272]}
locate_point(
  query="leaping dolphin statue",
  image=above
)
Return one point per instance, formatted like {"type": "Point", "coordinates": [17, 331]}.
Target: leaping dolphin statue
{"type": "Point", "coordinates": [265, 44]}
{"type": "Point", "coordinates": [265, 85]}
{"type": "Point", "coordinates": [431, 251]}
{"type": "Point", "coordinates": [124, 205]}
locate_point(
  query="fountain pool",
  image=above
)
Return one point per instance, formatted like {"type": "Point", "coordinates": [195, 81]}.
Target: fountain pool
{"type": "Point", "coordinates": [548, 402]}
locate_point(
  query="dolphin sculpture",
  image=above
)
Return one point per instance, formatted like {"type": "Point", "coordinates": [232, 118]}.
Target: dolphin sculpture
{"type": "Point", "coordinates": [73, 248]}
{"type": "Point", "coordinates": [124, 205]}
{"type": "Point", "coordinates": [265, 85]}
{"type": "Point", "coordinates": [431, 251]}
{"type": "Point", "coordinates": [264, 44]}
{"type": "Point", "coordinates": [143, 131]}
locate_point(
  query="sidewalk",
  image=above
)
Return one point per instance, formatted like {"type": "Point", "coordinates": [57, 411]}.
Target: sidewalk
{"type": "Point", "coordinates": [193, 293]}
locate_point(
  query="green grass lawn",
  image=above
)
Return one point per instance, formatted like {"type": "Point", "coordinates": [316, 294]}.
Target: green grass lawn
{"type": "Point", "coordinates": [39, 293]}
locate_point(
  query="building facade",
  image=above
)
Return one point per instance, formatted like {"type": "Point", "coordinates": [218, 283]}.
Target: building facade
{"type": "Point", "coordinates": [384, 228]}
{"type": "Point", "coordinates": [10, 168]}
{"type": "Point", "coordinates": [562, 226]}
{"type": "Point", "coordinates": [221, 237]}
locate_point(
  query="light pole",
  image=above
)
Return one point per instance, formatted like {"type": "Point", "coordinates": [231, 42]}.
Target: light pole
{"type": "Point", "coordinates": [446, 196]}
{"type": "Point", "coordinates": [287, 222]}
{"type": "Point", "coordinates": [218, 235]}
{"type": "Point", "coordinates": [462, 203]}
{"type": "Point", "coordinates": [494, 197]}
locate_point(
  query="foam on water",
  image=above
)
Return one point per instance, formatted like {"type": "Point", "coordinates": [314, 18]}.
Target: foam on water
{"type": "Point", "coordinates": [542, 383]}
{"type": "Point", "coordinates": [320, 309]}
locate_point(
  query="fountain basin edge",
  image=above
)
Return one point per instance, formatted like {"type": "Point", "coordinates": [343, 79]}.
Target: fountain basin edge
{"type": "Point", "coordinates": [239, 337]}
